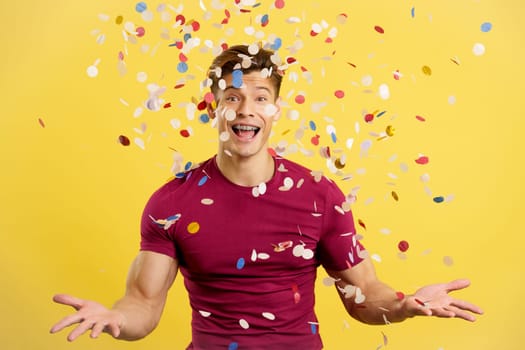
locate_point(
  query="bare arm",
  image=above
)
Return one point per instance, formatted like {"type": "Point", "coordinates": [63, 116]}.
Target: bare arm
{"type": "Point", "coordinates": [136, 314]}
{"type": "Point", "coordinates": [371, 301]}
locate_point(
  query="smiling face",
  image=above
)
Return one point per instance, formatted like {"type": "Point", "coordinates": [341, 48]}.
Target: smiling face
{"type": "Point", "coordinates": [246, 110]}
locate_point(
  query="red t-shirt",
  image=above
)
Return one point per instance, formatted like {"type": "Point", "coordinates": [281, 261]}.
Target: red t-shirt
{"type": "Point", "coordinates": [249, 256]}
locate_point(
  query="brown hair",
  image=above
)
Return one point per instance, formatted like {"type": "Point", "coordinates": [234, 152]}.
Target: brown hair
{"type": "Point", "coordinates": [235, 57]}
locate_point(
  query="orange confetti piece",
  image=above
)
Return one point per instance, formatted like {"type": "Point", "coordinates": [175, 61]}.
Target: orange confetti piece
{"type": "Point", "coordinates": [41, 122]}
{"type": "Point", "coordinates": [361, 223]}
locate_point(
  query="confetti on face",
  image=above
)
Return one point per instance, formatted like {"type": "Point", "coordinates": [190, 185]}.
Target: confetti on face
{"type": "Point", "coordinates": [237, 78]}
{"type": "Point", "coordinates": [270, 110]}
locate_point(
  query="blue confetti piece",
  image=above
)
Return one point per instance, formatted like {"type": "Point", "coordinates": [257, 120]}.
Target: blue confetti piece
{"type": "Point", "coordinates": [277, 44]}
{"type": "Point", "coordinates": [233, 346]}
{"type": "Point", "coordinates": [486, 27]}
{"type": "Point", "coordinates": [182, 67]}
{"type": "Point", "coordinates": [237, 78]}
{"type": "Point", "coordinates": [265, 19]}
{"type": "Point", "coordinates": [187, 166]}
{"type": "Point", "coordinates": [313, 328]}
{"type": "Point", "coordinates": [187, 37]}
{"type": "Point", "coordinates": [141, 7]}
{"type": "Point", "coordinates": [204, 118]}
{"type": "Point", "coordinates": [439, 199]}
{"type": "Point", "coordinates": [174, 217]}
{"type": "Point", "coordinates": [413, 12]}
{"type": "Point", "coordinates": [334, 137]}
{"type": "Point", "coordinates": [380, 114]}
{"type": "Point", "coordinates": [203, 180]}
{"type": "Point", "coordinates": [313, 127]}
{"type": "Point", "coordinates": [240, 263]}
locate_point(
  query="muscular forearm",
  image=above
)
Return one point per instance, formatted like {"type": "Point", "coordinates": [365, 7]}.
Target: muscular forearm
{"type": "Point", "coordinates": [381, 305]}
{"type": "Point", "coordinates": [139, 317]}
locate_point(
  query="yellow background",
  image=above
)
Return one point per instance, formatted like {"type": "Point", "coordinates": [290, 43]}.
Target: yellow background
{"type": "Point", "coordinates": [71, 195]}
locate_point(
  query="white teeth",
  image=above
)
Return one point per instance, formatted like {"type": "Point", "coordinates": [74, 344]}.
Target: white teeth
{"type": "Point", "coordinates": [245, 127]}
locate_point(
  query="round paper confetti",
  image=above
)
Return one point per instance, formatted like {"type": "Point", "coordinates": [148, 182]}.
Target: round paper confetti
{"type": "Point", "coordinates": [193, 227]}
{"type": "Point", "coordinates": [403, 246]}
{"type": "Point", "coordinates": [478, 49]}
{"type": "Point", "coordinates": [92, 71]}
{"type": "Point", "coordinates": [486, 27]}
{"type": "Point", "coordinates": [233, 346]}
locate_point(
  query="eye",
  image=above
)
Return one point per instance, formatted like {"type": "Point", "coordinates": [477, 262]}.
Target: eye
{"type": "Point", "coordinates": [262, 99]}
{"type": "Point", "coordinates": [231, 98]}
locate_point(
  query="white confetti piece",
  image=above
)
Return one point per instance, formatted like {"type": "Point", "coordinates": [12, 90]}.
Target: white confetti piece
{"type": "Point", "coordinates": [205, 313]}
{"type": "Point", "coordinates": [244, 324]}
{"type": "Point", "coordinates": [478, 49]}
{"type": "Point", "coordinates": [269, 316]}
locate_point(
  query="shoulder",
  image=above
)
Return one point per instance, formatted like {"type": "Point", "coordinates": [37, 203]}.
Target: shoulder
{"type": "Point", "coordinates": [315, 178]}
{"type": "Point", "coordinates": [180, 180]}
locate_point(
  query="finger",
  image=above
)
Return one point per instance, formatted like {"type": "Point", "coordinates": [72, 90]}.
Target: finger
{"type": "Point", "coordinates": [457, 284]}
{"type": "Point", "coordinates": [79, 330]}
{"type": "Point", "coordinates": [66, 322]}
{"type": "Point", "coordinates": [66, 299]}
{"type": "Point", "coordinates": [97, 329]}
{"type": "Point", "coordinates": [113, 329]}
{"type": "Point", "coordinates": [443, 312]}
{"type": "Point", "coordinates": [464, 305]}
{"type": "Point", "coordinates": [462, 314]}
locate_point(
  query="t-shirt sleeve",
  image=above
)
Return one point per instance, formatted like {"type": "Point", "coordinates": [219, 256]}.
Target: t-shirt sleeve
{"type": "Point", "coordinates": [339, 247]}
{"type": "Point", "coordinates": [157, 226]}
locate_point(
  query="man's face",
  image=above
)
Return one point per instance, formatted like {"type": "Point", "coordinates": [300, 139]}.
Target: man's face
{"type": "Point", "coordinates": [246, 114]}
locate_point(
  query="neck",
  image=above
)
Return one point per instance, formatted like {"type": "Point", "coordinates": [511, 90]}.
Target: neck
{"type": "Point", "coordinates": [246, 171]}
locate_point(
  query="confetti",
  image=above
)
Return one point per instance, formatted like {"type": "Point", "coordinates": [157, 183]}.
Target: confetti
{"type": "Point", "coordinates": [448, 261]}
{"type": "Point", "coordinates": [124, 140]}
{"type": "Point", "coordinates": [427, 70]}
{"type": "Point", "coordinates": [240, 263]}
{"type": "Point", "coordinates": [41, 122]}
{"type": "Point", "coordinates": [379, 29]}
{"type": "Point", "coordinates": [478, 49]}
{"type": "Point", "coordinates": [233, 346]}
{"type": "Point", "coordinates": [193, 227]}
{"type": "Point", "coordinates": [422, 160]}
{"type": "Point", "coordinates": [486, 27]}
{"type": "Point", "coordinates": [403, 246]}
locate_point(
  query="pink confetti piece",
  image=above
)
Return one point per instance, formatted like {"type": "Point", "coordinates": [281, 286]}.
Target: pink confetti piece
{"type": "Point", "coordinates": [422, 160]}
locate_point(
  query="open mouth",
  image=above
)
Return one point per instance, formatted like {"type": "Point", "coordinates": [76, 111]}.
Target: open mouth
{"type": "Point", "coordinates": [245, 131]}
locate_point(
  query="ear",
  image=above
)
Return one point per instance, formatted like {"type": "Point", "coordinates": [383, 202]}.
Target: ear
{"type": "Point", "coordinates": [278, 105]}
{"type": "Point", "coordinates": [211, 109]}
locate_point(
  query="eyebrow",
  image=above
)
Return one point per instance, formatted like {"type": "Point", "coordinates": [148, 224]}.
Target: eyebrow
{"type": "Point", "coordinates": [257, 88]}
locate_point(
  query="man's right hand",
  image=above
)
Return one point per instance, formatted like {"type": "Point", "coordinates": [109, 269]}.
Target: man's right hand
{"type": "Point", "coordinates": [90, 315]}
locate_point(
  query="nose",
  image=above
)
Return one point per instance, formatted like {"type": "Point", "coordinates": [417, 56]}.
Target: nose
{"type": "Point", "coordinates": [245, 108]}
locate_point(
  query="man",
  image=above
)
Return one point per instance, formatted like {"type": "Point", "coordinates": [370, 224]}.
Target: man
{"type": "Point", "coordinates": [248, 229]}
